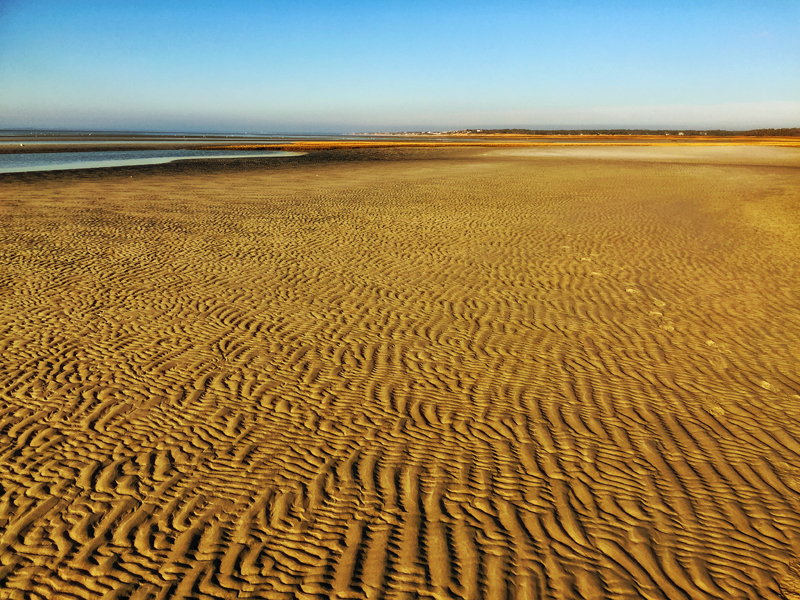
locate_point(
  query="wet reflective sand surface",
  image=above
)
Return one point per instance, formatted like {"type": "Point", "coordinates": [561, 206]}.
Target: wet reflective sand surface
{"type": "Point", "coordinates": [59, 161]}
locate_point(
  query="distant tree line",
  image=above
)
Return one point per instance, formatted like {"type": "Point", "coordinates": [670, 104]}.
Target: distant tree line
{"type": "Point", "coordinates": [786, 132]}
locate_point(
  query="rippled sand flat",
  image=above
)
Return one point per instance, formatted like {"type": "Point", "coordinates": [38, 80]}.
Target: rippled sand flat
{"type": "Point", "coordinates": [448, 373]}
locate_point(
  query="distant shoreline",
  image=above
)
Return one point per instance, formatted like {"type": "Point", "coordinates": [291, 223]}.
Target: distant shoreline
{"type": "Point", "coordinates": [126, 142]}
{"type": "Point", "coordinates": [11, 135]}
{"type": "Point", "coordinates": [781, 132]}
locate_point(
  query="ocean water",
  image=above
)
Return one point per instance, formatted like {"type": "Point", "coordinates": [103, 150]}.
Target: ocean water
{"type": "Point", "coordinates": [55, 161]}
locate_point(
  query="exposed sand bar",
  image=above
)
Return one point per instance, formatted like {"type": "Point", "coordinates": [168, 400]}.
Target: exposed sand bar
{"type": "Point", "coordinates": [512, 141]}
{"type": "Point", "coordinates": [399, 373]}
{"type": "Point", "coordinates": [121, 143]}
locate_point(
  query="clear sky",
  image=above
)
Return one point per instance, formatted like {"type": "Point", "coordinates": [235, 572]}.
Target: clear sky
{"type": "Point", "coordinates": [341, 66]}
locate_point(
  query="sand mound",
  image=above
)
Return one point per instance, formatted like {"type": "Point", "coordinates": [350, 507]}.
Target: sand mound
{"type": "Point", "coordinates": [458, 376]}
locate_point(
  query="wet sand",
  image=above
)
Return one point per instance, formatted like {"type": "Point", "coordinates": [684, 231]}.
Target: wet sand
{"type": "Point", "coordinates": [404, 373]}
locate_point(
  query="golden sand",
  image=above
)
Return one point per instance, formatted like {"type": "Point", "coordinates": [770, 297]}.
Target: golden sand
{"type": "Point", "coordinates": [439, 373]}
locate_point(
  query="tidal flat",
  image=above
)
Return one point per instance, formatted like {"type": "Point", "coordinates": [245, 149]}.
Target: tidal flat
{"type": "Point", "coordinates": [413, 372]}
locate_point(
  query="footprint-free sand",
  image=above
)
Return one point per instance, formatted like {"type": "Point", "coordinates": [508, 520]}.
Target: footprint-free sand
{"type": "Point", "coordinates": [404, 373]}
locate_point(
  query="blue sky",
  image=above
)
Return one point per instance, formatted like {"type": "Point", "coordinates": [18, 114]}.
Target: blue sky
{"type": "Point", "coordinates": [342, 66]}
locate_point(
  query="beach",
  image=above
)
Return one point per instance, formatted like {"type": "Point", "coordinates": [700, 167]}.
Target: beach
{"type": "Point", "coordinates": [404, 372]}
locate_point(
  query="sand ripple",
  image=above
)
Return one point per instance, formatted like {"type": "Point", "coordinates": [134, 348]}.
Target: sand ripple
{"type": "Point", "coordinates": [467, 377]}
